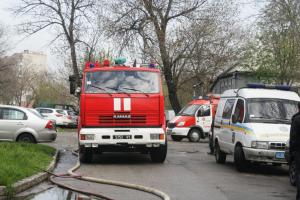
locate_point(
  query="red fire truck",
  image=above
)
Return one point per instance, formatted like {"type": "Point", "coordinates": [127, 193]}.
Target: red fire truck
{"type": "Point", "coordinates": [121, 109]}
{"type": "Point", "coordinates": [194, 120]}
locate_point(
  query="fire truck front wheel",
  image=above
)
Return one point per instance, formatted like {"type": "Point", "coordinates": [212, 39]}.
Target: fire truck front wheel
{"type": "Point", "coordinates": [85, 155]}
{"type": "Point", "coordinates": [158, 155]}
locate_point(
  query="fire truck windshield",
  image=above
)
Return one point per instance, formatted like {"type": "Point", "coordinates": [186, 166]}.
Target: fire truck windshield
{"type": "Point", "coordinates": [121, 81]}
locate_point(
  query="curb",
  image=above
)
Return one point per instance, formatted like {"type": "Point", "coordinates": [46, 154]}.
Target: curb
{"type": "Point", "coordinates": [31, 181]}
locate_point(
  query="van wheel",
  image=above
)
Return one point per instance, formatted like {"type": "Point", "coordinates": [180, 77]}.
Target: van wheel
{"type": "Point", "coordinates": [158, 155]}
{"type": "Point", "coordinates": [219, 155]}
{"type": "Point", "coordinates": [194, 135]}
{"type": "Point", "coordinates": [85, 155]}
{"type": "Point", "coordinates": [26, 137]}
{"type": "Point", "coordinates": [176, 138]}
{"type": "Point", "coordinates": [239, 159]}
{"type": "Point", "coordinates": [292, 172]}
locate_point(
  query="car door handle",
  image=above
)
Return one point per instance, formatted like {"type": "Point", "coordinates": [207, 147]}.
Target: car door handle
{"type": "Point", "coordinates": [20, 123]}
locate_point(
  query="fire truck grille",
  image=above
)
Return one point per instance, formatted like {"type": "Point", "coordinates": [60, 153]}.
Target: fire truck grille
{"type": "Point", "coordinates": [277, 145]}
{"type": "Point", "coordinates": [123, 119]}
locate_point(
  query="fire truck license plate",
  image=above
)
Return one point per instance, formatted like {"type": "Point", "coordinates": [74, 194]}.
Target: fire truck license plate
{"type": "Point", "coordinates": [122, 137]}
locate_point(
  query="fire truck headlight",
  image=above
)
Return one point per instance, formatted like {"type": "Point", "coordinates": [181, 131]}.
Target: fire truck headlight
{"type": "Point", "coordinates": [181, 124]}
{"type": "Point", "coordinates": [154, 136]}
{"type": "Point", "coordinates": [87, 137]}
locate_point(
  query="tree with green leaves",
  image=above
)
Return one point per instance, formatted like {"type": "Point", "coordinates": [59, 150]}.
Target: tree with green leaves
{"type": "Point", "coordinates": [274, 54]}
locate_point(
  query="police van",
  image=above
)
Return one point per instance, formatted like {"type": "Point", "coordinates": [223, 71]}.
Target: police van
{"type": "Point", "coordinates": [253, 124]}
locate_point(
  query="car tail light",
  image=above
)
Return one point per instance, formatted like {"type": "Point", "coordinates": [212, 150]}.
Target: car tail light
{"type": "Point", "coordinates": [69, 117]}
{"type": "Point", "coordinates": [49, 125]}
{"type": "Point", "coordinates": [58, 115]}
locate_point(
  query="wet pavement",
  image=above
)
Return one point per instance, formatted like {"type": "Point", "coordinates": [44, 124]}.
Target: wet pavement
{"type": "Point", "coordinates": [189, 173]}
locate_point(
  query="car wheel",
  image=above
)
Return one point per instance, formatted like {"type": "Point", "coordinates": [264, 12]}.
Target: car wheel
{"type": "Point", "coordinates": [176, 138]}
{"type": "Point", "coordinates": [194, 135]}
{"type": "Point", "coordinates": [26, 137]}
{"type": "Point", "coordinates": [85, 155]}
{"type": "Point", "coordinates": [219, 155]}
{"type": "Point", "coordinates": [158, 155]}
{"type": "Point", "coordinates": [239, 159]}
{"type": "Point", "coordinates": [292, 172]}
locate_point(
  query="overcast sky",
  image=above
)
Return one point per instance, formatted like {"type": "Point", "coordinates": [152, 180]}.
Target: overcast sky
{"type": "Point", "coordinates": [41, 40]}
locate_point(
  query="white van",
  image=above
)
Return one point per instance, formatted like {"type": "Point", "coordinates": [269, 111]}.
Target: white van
{"type": "Point", "coordinates": [253, 124]}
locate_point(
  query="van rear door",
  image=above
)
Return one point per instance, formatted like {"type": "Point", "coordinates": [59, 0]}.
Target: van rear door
{"type": "Point", "coordinates": [225, 135]}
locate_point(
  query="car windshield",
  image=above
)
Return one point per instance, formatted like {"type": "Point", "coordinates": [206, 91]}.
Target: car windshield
{"type": "Point", "coordinates": [36, 113]}
{"type": "Point", "coordinates": [189, 110]}
{"type": "Point", "coordinates": [122, 81]}
{"type": "Point", "coordinates": [271, 110]}
{"type": "Point", "coordinates": [61, 112]}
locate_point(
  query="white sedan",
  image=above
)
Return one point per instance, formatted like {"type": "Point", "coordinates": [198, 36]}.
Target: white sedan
{"type": "Point", "coordinates": [23, 125]}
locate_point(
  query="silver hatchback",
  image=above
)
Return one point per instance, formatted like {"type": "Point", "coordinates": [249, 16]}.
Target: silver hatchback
{"type": "Point", "coordinates": [24, 125]}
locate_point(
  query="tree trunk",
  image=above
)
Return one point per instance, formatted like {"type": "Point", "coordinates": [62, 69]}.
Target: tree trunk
{"type": "Point", "coordinates": [74, 64]}
{"type": "Point", "coordinates": [171, 88]}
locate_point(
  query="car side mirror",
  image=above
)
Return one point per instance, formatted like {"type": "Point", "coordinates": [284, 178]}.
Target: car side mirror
{"type": "Point", "coordinates": [72, 81]}
{"type": "Point", "coordinates": [234, 119]}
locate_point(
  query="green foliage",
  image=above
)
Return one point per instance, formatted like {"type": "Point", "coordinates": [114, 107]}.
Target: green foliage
{"type": "Point", "coordinates": [53, 92]}
{"type": "Point", "coordinates": [274, 55]}
{"type": "Point", "coordinates": [21, 160]}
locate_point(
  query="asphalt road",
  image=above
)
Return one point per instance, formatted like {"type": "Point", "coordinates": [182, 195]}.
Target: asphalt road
{"type": "Point", "coordinates": [189, 173]}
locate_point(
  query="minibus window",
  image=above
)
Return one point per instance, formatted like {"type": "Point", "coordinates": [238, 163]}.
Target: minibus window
{"type": "Point", "coordinates": [228, 108]}
{"type": "Point", "coordinates": [271, 110]}
{"type": "Point", "coordinates": [239, 111]}
{"type": "Point", "coordinates": [204, 111]}
{"type": "Point", "coordinates": [189, 110]}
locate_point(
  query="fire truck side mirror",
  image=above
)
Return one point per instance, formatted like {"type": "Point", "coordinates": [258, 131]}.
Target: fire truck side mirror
{"type": "Point", "coordinates": [77, 91]}
{"type": "Point", "coordinates": [72, 84]}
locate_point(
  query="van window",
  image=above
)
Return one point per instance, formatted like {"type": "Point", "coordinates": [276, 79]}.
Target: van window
{"type": "Point", "coordinates": [204, 111]}
{"type": "Point", "coordinates": [239, 110]}
{"type": "Point", "coordinates": [228, 108]}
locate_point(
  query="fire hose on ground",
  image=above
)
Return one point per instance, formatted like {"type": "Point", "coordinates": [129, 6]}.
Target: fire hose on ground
{"type": "Point", "coordinates": [71, 174]}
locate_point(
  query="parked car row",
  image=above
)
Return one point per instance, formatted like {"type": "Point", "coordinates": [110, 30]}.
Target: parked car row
{"type": "Point", "coordinates": [33, 125]}
{"type": "Point", "coordinates": [60, 117]}
{"type": "Point", "coordinates": [25, 125]}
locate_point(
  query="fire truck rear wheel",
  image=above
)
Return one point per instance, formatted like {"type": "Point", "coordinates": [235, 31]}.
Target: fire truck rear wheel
{"type": "Point", "coordinates": [158, 155]}
{"type": "Point", "coordinates": [194, 135]}
{"type": "Point", "coordinates": [176, 138]}
{"type": "Point", "coordinates": [85, 155]}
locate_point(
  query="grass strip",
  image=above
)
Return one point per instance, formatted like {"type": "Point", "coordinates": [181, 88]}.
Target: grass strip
{"type": "Point", "coordinates": [21, 160]}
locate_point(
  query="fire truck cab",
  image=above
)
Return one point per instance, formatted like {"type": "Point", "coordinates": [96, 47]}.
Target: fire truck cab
{"type": "Point", "coordinates": [121, 109]}
{"type": "Point", "coordinates": [194, 120]}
